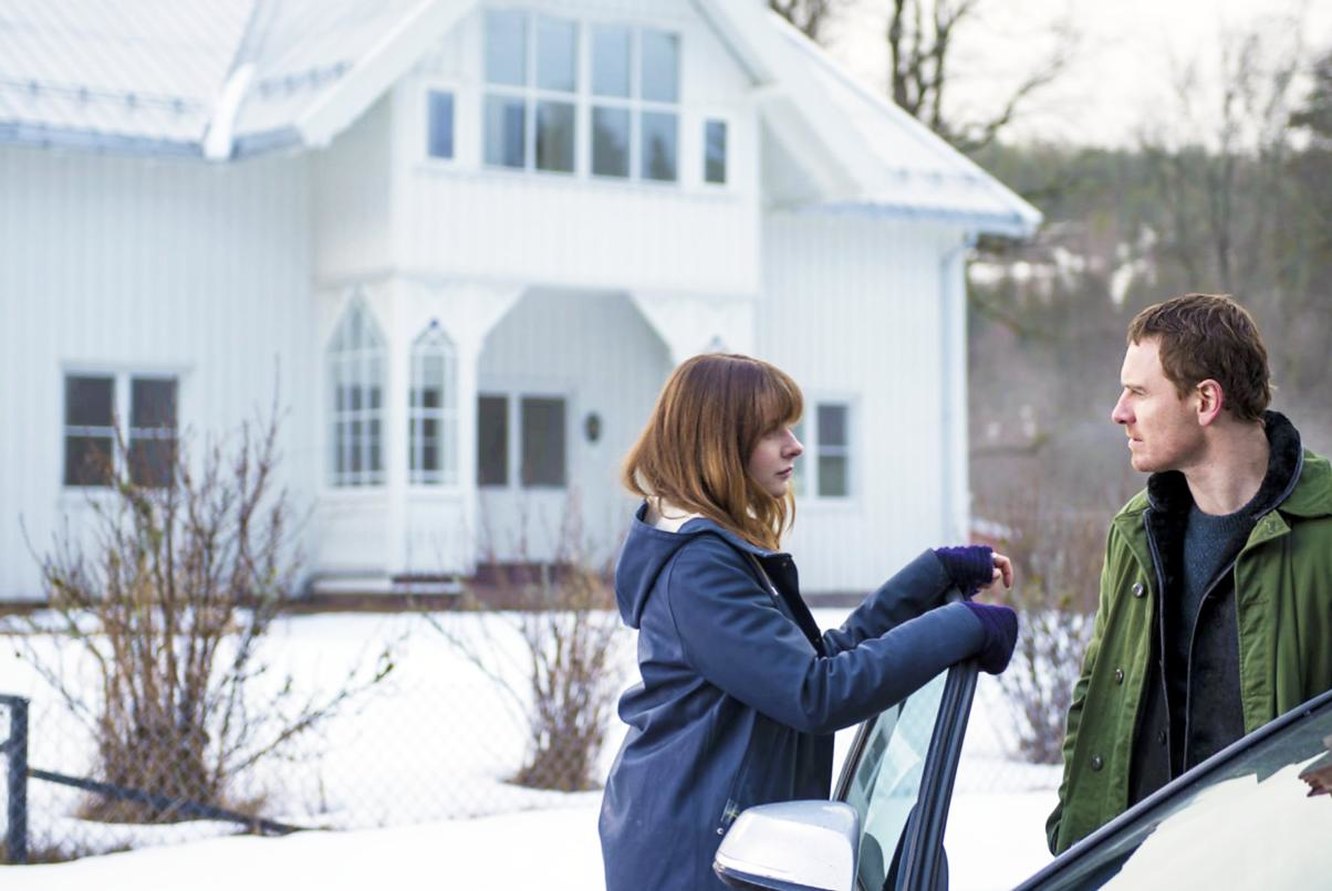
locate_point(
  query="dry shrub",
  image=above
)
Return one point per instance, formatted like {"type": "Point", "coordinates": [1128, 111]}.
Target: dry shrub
{"type": "Point", "coordinates": [563, 614]}
{"type": "Point", "coordinates": [1057, 555]}
{"type": "Point", "coordinates": [168, 597]}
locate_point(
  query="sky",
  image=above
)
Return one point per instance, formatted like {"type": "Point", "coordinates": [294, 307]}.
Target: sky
{"type": "Point", "coordinates": [1127, 57]}
{"type": "Point", "coordinates": [995, 834]}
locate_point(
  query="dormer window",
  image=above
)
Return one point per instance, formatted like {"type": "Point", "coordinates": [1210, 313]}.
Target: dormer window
{"type": "Point", "coordinates": [439, 124]}
{"type": "Point", "coordinates": [531, 91]}
{"type": "Point", "coordinates": [536, 103]}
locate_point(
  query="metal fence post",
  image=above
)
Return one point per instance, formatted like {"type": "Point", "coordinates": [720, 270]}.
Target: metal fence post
{"type": "Point", "coordinates": [15, 748]}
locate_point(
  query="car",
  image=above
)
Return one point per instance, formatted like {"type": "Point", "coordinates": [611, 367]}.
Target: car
{"type": "Point", "coordinates": [1256, 815]}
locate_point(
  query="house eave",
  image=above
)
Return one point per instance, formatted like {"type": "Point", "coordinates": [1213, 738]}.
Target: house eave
{"type": "Point", "coordinates": [38, 136]}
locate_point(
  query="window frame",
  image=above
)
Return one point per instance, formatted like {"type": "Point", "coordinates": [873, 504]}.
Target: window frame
{"type": "Point", "coordinates": [514, 443]}
{"type": "Point", "coordinates": [808, 485]}
{"type": "Point", "coordinates": [532, 95]}
{"type": "Point", "coordinates": [425, 104]}
{"type": "Point", "coordinates": [433, 342]}
{"type": "Point", "coordinates": [364, 358]}
{"type": "Point", "coordinates": [586, 102]}
{"type": "Point", "coordinates": [122, 380]}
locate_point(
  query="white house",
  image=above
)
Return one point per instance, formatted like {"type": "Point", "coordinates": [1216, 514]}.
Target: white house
{"type": "Point", "coordinates": [464, 242]}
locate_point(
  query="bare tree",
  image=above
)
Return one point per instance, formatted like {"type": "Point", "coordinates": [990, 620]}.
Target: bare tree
{"type": "Point", "coordinates": [922, 37]}
{"type": "Point", "coordinates": [808, 15]}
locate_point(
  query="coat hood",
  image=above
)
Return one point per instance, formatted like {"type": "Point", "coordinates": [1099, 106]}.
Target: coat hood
{"type": "Point", "coordinates": [648, 549]}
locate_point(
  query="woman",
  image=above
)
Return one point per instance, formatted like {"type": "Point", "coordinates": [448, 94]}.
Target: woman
{"type": "Point", "coordinates": [740, 692]}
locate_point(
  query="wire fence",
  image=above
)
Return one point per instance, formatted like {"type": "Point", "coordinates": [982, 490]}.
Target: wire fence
{"type": "Point", "coordinates": [438, 738]}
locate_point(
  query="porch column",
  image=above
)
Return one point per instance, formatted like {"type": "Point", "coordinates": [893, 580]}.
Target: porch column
{"type": "Point", "coordinates": [466, 311]}
{"type": "Point", "coordinates": [690, 324]}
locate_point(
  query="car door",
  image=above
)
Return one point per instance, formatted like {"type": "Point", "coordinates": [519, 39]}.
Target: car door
{"type": "Point", "coordinates": [1256, 815]}
{"type": "Point", "coordinates": [898, 775]}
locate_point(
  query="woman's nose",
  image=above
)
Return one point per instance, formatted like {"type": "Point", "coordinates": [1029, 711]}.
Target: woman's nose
{"type": "Point", "coordinates": [793, 446]}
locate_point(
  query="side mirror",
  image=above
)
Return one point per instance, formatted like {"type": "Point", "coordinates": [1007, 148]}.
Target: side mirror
{"type": "Point", "coordinates": [792, 845]}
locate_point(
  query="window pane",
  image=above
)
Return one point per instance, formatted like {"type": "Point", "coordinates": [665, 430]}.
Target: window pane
{"type": "Point", "coordinates": [610, 60]}
{"type": "Point", "coordinates": [661, 66]}
{"type": "Point", "coordinates": [658, 149]}
{"type": "Point", "coordinates": [492, 440]}
{"type": "Point", "coordinates": [506, 131]}
{"type": "Point", "coordinates": [151, 460]}
{"type": "Point", "coordinates": [833, 476]}
{"type": "Point", "coordinates": [557, 55]}
{"type": "Point", "coordinates": [555, 136]}
{"type": "Point", "coordinates": [440, 124]}
{"type": "Point", "coordinates": [506, 47]}
{"type": "Point", "coordinates": [88, 401]}
{"type": "Point", "coordinates": [87, 460]}
{"type": "Point", "coordinates": [543, 441]}
{"type": "Point", "coordinates": [152, 404]}
{"type": "Point", "coordinates": [714, 151]}
{"type": "Point", "coordinates": [832, 425]}
{"type": "Point", "coordinates": [610, 141]}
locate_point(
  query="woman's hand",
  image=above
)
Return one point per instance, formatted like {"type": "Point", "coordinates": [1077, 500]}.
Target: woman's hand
{"type": "Point", "coordinates": [1003, 571]}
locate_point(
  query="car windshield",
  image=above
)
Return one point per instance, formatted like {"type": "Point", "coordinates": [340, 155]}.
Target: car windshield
{"type": "Point", "coordinates": [886, 779]}
{"type": "Point", "coordinates": [1262, 820]}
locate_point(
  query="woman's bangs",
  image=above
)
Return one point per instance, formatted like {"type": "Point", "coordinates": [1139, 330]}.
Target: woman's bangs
{"type": "Point", "coordinates": [780, 403]}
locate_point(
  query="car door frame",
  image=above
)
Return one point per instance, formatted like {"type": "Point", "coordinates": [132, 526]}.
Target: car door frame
{"type": "Point", "coordinates": [923, 864]}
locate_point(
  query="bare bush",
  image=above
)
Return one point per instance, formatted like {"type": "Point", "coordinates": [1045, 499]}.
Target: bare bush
{"type": "Point", "coordinates": [563, 612]}
{"type": "Point", "coordinates": [1057, 556]}
{"type": "Point", "coordinates": [167, 598]}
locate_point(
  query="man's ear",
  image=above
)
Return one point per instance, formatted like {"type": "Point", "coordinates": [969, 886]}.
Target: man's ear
{"type": "Point", "coordinates": [1211, 399]}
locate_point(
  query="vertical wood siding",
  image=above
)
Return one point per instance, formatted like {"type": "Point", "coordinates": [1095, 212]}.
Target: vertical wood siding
{"type": "Point", "coordinates": [123, 264]}
{"type": "Point", "coordinates": [852, 308]}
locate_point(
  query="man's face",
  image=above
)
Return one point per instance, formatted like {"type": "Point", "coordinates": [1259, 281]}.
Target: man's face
{"type": "Point", "coordinates": [1163, 429]}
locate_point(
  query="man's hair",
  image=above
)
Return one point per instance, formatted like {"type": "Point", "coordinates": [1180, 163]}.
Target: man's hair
{"type": "Point", "coordinates": [695, 450]}
{"type": "Point", "coordinates": [1210, 336]}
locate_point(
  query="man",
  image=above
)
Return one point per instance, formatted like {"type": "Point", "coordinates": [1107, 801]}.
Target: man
{"type": "Point", "coordinates": [1215, 610]}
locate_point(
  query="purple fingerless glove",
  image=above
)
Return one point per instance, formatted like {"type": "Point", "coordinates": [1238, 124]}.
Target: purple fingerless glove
{"type": "Point", "coordinates": [970, 567]}
{"type": "Point", "coordinates": [1001, 629]}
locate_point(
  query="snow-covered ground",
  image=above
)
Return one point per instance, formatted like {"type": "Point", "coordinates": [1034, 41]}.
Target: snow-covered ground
{"type": "Point", "coordinates": [414, 778]}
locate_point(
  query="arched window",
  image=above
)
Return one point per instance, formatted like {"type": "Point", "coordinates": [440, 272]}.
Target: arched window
{"type": "Point", "coordinates": [432, 439]}
{"type": "Point", "coordinates": [356, 377]}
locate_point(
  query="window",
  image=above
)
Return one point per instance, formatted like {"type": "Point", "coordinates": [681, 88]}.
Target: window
{"type": "Point", "coordinates": [91, 410]}
{"type": "Point", "coordinates": [541, 453]}
{"type": "Point", "coordinates": [832, 450]}
{"type": "Point", "coordinates": [432, 412]}
{"type": "Point", "coordinates": [827, 458]}
{"type": "Point", "coordinates": [439, 124]}
{"type": "Point", "coordinates": [492, 441]}
{"type": "Point", "coordinates": [531, 65]}
{"type": "Point", "coordinates": [356, 376]}
{"type": "Point", "coordinates": [714, 152]}
{"type": "Point", "coordinates": [536, 101]}
{"type": "Point", "coordinates": [635, 116]}
{"type": "Point", "coordinates": [543, 442]}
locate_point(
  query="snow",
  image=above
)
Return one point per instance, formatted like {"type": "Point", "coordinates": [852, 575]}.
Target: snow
{"type": "Point", "coordinates": [493, 834]}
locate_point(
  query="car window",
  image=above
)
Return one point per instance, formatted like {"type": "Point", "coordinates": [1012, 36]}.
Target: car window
{"type": "Point", "coordinates": [1259, 820]}
{"type": "Point", "coordinates": [885, 780]}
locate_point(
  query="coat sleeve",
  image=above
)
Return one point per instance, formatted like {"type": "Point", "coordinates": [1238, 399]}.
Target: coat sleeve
{"type": "Point", "coordinates": [732, 633]}
{"type": "Point", "coordinates": [915, 589]}
{"type": "Point", "coordinates": [1078, 701]}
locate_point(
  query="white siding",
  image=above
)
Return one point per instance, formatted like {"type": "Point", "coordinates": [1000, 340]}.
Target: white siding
{"type": "Point", "coordinates": [353, 213]}
{"type": "Point", "coordinates": [460, 218]}
{"type": "Point", "coordinates": [852, 308]}
{"type": "Point", "coordinates": [125, 264]}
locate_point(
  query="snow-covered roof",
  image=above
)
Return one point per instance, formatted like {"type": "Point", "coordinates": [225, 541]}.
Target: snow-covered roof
{"type": "Point", "coordinates": [230, 78]}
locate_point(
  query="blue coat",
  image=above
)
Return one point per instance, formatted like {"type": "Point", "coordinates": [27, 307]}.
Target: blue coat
{"type": "Point", "coordinates": [740, 693]}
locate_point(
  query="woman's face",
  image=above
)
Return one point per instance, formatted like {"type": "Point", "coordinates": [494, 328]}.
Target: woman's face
{"type": "Point", "coordinates": [773, 461]}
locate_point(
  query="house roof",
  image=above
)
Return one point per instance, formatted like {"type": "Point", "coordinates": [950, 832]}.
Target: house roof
{"type": "Point", "coordinates": [233, 78]}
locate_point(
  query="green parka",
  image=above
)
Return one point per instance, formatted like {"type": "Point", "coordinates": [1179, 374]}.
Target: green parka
{"type": "Point", "coordinates": [1283, 598]}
